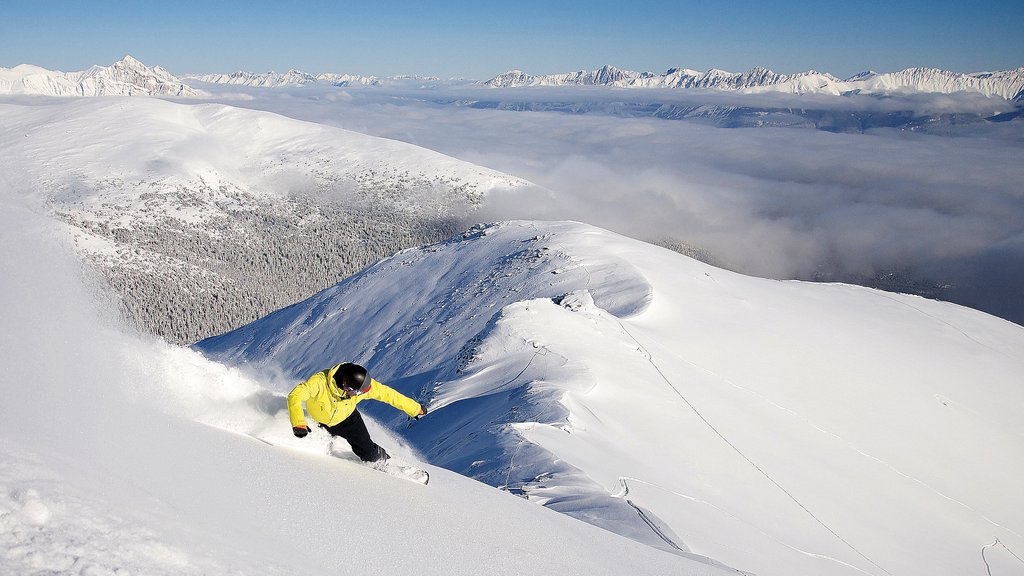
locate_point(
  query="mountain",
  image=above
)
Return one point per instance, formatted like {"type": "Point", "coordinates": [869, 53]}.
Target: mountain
{"type": "Point", "coordinates": [126, 77]}
{"type": "Point", "coordinates": [204, 217]}
{"type": "Point", "coordinates": [777, 427]}
{"type": "Point", "coordinates": [116, 461]}
{"type": "Point", "coordinates": [298, 78]}
{"type": "Point", "coordinates": [348, 79]}
{"type": "Point", "coordinates": [129, 77]}
{"type": "Point", "coordinates": [1008, 84]}
{"type": "Point", "coordinates": [267, 80]}
{"type": "Point", "coordinates": [276, 80]}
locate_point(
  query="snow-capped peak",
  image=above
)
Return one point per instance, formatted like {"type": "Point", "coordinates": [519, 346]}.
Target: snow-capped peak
{"type": "Point", "coordinates": [263, 80]}
{"type": "Point", "coordinates": [291, 78]}
{"type": "Point", "coordinates": [862, 76]}
{"type": "Point", "coordinates": [512, 78]}
{"type": "Point", "coordinates": [126, 77]}
{"type": "Point", "coordinates": [129, 62]}
{"type": "Point", "coordinates": [1007, 84]}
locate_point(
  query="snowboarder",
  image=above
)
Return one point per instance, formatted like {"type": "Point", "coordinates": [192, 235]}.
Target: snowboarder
{"type": "Point", "coordinates": [331, 396]}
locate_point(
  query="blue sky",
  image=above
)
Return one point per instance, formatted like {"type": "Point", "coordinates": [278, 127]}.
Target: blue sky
{"type": "Point", "coordinates": [481, 39]}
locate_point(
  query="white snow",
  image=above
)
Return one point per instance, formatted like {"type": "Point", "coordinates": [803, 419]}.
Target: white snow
{"type": "Point", "coordinates": [777, 427]}
{"type": "Point", "coordinates": [109, 467]}
{"type": "Point", "coordinates": [162, 144]}
{"type": "Point", "coordinates": [713, 419]}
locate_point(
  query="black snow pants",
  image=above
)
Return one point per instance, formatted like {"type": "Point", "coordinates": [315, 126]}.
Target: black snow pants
{"type": "Point", "coordinates": [354, 430]}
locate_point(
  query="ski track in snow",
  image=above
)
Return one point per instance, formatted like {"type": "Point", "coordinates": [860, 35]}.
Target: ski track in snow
{"type": "Point", "coordinates": [997, 542]}
{"type": "Point", "coordinates": [624, 491]}
{"type": "Point", "coordinates": [846, 443]}
{"type": "Point", "coordinates": [700, 415]}
{"type": "Point", "coordinates": [937, 319]}
{"type": "Point", "coordinates": [849, 445]}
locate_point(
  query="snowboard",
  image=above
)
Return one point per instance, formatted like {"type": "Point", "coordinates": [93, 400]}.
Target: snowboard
{"type": "Point", "coordinates": [406, 471]}
{"type": "Point", "coordinates": [391, 467]}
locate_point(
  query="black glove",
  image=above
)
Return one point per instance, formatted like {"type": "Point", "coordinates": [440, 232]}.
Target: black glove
{"type": "Point", "coordinates": [300, 431]}
{"type": "Point", "coordinates": [423, 412]}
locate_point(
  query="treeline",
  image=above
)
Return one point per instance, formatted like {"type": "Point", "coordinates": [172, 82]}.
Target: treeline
{"type": "Point", "coordinates": [189, 275]}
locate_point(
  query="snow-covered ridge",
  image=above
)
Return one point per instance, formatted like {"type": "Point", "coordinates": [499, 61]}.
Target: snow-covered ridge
{"type": "Point", "coordinates": [778, 427]}
{"type": "Point", "coordinates": [268, 80]}
{"type": "Point", "coordinates": [126, 77]}
{"type": "Point", "coordinates": [121, 487]}
{"type": "Point", "coordinates": [300, 78]}
{"type": "Point", "coordinates": [1006, 84]}
{"type": "Point", "coordinates": [279, 80]}
{"type": "Point", "coordinates": [129, 77]}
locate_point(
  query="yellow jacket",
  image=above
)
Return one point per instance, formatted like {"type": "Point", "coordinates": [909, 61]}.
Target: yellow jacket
{"type": "Point", "coordinates": [329, 404]}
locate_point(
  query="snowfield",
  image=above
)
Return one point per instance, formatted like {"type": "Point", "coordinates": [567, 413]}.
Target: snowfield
{"type": "Point", "coordinates": [115, 463]}
{"type": "Point", "coordinates": [713, 419]}
{"type": "Point", "coordinates": [777, 427]}
{"type": "Point", "coordinates": [597, 404]}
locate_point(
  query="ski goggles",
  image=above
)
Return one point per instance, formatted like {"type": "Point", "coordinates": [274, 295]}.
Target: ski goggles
{"type": "Point", "coordinates": [355, 391]}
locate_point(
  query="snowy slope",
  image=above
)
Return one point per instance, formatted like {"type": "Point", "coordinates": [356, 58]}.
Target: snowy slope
{"type": "Point", "coordinates": [108, 470]}
{"type": "Point", "coordinates": [154, 140]}
{"type": "Point", "coordinates": [126, 77]}
{"type": "Point", "coordinates": [1006, 84]}
{"type": "Point", "coordinates": [224, 213]}
{"type": "Point", "coordinates": [777, 427]}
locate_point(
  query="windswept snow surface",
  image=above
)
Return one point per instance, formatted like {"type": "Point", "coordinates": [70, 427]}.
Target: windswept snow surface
{"type": "Point", "coordinates": [126, 147]}
{"type": "Point", "coordinates": [114, 462]}
{"type": "Point", "coordinates": [778, 427]}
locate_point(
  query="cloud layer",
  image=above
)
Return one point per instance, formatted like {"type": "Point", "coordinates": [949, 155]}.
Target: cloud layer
{"type": "Point", "coordinates": [937, 211]}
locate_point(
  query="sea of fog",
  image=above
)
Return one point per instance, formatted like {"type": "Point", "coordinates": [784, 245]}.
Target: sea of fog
{"type": "Point", "coordinates": [934, 212]}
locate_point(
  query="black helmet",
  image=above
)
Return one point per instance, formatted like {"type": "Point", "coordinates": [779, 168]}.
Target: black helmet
{"type": "Point", "coordinates": [352, 378]}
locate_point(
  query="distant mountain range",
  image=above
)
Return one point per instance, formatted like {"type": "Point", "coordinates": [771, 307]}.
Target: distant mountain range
{"type": "Point", "coordinates": [126, 77]}
{"type": "Point", "coordinates": [1007, 84]}
{"type": "Point", "coordinates": [290, 78]}
{"type": "Point", "coordinates": [300, 78]}
{"type": "Point", "coordinates": [130, 77]}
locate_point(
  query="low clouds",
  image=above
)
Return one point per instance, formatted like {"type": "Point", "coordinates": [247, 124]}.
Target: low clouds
{"type": "Point", "coordinates": [942, 214]}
